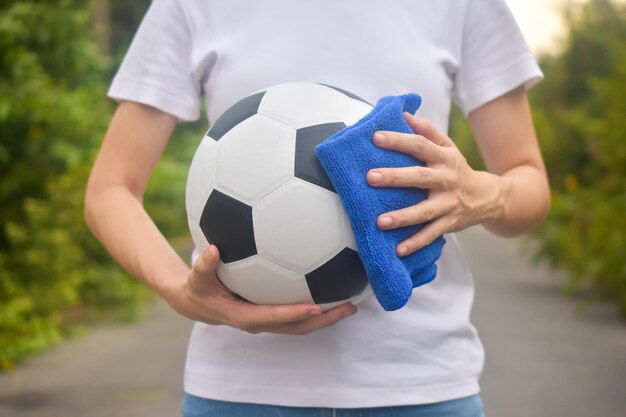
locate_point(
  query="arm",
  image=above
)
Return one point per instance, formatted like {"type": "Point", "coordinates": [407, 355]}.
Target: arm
{"type": "Point", "coordinates": [506, 137]}
{"type": "Point", "coordinates": [510, 199]}
{"type": "Point", "coordinates": [114, 212]}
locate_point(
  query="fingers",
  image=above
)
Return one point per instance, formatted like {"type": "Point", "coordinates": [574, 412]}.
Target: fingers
{"type": "Point", "coordinates": [426, 128]}
{"type": "Point", "coordinates": [246, 315]}
{"type": "Point", "coordinates": [227, 309]}
{"type": "Point", "coordinates": [224, 307]}
{"type": "Point", "coordinates": [443, 176]}
{"type": "Point", "coordinates": [423, 238]}
{"type": "Point", "coordinates": [416, 176]}
{"type": "Point", "coordinates": [209, 301]}
{"type": "Point", "coordinates": [203, 273]}
{"type": "Point", "coordinates": [309, 325]}
{"type": "Point", "coordinates": [419, 147]}
{"type": "Point", "coordinates": [207, 261]}
{"type": "Point", "coordinates": [423, 212]}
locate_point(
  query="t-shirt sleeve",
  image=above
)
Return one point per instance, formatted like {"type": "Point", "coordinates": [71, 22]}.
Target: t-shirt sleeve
{"type": "Point", "coordinates": [495, 58]}
{"type": "Point", "coordinates": [157, 68]}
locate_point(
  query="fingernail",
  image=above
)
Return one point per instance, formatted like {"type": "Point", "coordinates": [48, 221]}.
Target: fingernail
{"type": "Point", "coordinates": [375, 177]}
{"type": "Point", "coordinates": [379, 138]}
{"type": "Point", "coordinates": [385, 221]}
{"type": "Point", "coordinates": [402, 250]}
{"type": "Point", "coordinates": [349, 312]}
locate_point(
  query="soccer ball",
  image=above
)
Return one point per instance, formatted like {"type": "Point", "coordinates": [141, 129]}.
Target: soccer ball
{"type": "Point", "coordinates": [257, 191]}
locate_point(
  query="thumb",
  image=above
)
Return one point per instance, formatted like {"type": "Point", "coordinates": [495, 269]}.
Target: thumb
{"type": "Point", "coordinates": [204, 271]}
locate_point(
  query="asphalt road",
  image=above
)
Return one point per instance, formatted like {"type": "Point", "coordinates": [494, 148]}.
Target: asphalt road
{"type": "Point", "coordinates": [544, 359]}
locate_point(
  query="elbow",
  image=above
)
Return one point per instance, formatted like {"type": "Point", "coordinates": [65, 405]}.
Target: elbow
{"type": "Point", "coordinates": [89, 205]}
{"type": "Point", "coordinates": [546, 204]}
{"type": "Point", "coordinates": [540, 202]}
{"type": "Point", "coordinates": [539, 213]}
{"type": "Point", "coordinates": [93, 200]}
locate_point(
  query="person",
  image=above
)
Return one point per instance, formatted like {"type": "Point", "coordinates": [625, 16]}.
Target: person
{"type": "Point", "coordinates": [295, 360]}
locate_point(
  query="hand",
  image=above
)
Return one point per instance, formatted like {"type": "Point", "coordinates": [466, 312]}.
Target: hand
{"type": "Point", "coordinates": [458, 196]}
{"type": "Point", "coordinates": [202, 297]}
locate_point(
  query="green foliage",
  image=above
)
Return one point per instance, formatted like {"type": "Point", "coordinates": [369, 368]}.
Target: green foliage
{"type": "Point", "coordinates": [55, 274]}
{"type": "Point", "coordinates": [53, 114]}
{"type": "Point", "coordinates": [46, 77]}
{"type": "Point", "coordinates": [579, 113]}
{"type": "Point", "coordinates": [124, 17]}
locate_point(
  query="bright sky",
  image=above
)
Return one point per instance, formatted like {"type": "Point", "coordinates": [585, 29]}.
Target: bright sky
{"type": "Point", "coordinates": [540, 22]}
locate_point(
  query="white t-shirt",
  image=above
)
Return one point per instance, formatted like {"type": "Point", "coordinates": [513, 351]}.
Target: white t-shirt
{"type": "Point", "coordinates": [467, 50]}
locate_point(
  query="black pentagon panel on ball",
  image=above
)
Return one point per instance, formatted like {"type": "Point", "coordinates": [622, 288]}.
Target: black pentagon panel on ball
{"type": "Point", "coordinates": [349, 94]}
{"type": "Point", "coordinates": [308, 167]}
{"type": "Point", "coordinates": [235, 114]}
{"type": "Point", "coordinates": [340, 278]}
{"type": "Point", "coordinates": [227, 223]}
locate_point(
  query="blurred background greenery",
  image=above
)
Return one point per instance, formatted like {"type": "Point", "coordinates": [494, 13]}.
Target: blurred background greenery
{"type": "Point", "coordinates": [580, 116]}
{"type": "Point", "coordinates": [56, 60]}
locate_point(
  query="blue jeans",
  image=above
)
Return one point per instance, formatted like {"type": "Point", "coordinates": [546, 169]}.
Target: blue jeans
{"type": "Point", "coordinates": [202, 407]}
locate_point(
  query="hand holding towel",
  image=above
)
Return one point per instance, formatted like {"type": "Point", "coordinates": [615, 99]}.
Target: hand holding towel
{"type": "Point", "coordinates": [347, 156]}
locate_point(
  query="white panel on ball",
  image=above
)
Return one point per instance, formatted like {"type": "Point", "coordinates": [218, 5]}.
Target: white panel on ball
{"type": "Point", "coordinates": [300, 225]}
{"type": "Point", "coordinates": [201, 177]}
{"type": "Point", "coordinates": [255, 157]}
{"type": "Point", "coordinates": [198, 237]}
{"type": "Point", "coordinates": [304, 104]}
{"type": "Point", "coordinates": [261, 281]}
{"type": "Point", "coordinates": [356, 111]}
{"type": "Point", "coordinates": [350, 240]}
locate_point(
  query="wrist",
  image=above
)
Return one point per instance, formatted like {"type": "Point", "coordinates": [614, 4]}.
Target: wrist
{"type": "Point", "coordinates": [493, 190]}
{"type": "Point", "coordinates": [168, 284]}
{"type": "Point", "coordinates": [172, 291]}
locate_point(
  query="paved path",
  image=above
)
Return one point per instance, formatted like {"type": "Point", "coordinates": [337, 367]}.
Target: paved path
{"type": "Point", "coordinates": [115, 371]}
{"type": "Point", "coordinates": [543, 359]}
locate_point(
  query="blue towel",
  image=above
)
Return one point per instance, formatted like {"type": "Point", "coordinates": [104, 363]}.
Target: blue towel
{"type": "Point", "coordinates": [347, 156]}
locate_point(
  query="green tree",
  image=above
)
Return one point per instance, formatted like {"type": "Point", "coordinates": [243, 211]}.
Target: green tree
{"type": "Point", "coordinates": [580, 116]}
{"type": "Point", "coordinates": [579, 113]}
{"type": "Point", "coordinates": [52, 118]}
{"type": "Point", "coordinates": [54, 73]}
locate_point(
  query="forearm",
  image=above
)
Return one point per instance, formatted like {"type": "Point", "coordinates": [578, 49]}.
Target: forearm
{"type": "Point", "coordinates": [506, 137]}
{"type": "Point", "coordinates": [118, 219]}
{"type": "Point", "coordinates": [115, 214]}
{"type": "Point", "coordinates": [517, 200]}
